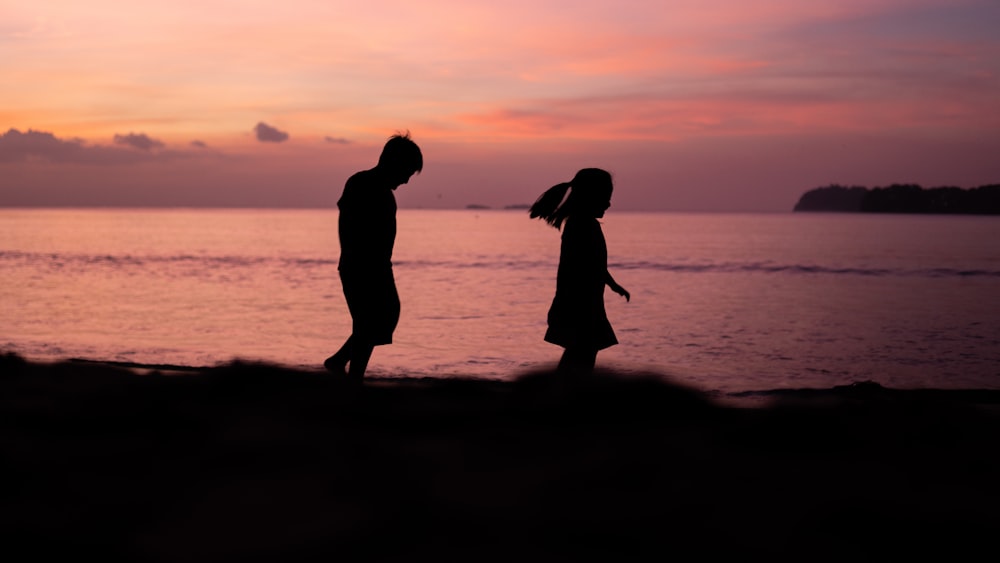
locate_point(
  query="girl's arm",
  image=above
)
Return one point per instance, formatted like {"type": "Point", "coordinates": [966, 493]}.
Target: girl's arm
{"type": "Point", "coordinates": [610, 281]}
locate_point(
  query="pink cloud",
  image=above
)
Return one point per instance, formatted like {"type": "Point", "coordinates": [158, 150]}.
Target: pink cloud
{"type": "Point", "coordinates": [40, 146]}
{"type": "Point", "coordinates": [16, 146]}
{"type": "Point", "coordinates": [140, 141]}
{"type": "Point", "coordinates": [266, 133]}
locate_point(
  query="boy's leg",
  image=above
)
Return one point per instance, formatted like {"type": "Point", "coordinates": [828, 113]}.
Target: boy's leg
{"type": "Point", "coordinates": [337, 363]}
{"type": "Point", "coordinates": [360, 354]}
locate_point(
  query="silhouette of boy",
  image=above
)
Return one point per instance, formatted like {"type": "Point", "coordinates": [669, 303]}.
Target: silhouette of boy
{"type": "Point", "coordinates": [367, 229]}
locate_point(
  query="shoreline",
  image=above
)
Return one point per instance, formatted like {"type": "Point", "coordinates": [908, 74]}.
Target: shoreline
{"type": "Point", "coordinates": [256, 462]}
{"type": "Point", "coordinates": [748, 398]}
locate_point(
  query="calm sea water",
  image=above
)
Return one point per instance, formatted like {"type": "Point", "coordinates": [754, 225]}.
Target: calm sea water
{"type": "Point", "coordinates": [725, 302]}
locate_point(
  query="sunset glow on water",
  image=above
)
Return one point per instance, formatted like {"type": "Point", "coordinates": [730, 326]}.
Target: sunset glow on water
{"type": "Point", "coordinates": [725, 302]}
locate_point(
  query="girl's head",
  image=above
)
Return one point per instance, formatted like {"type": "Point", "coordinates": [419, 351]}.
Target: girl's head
{"type": "Point", "coordinates": [589, 196]}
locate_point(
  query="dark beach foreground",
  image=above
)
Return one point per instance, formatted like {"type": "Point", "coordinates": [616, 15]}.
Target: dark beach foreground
{"type": "Point", "coordinates": [249, 462]}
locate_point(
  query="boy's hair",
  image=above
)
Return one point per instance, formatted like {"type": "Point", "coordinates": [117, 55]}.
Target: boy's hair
{"type": "Point", "coordinates": [401, 151]}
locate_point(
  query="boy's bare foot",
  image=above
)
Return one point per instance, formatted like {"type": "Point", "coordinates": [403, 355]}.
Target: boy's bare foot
{"type": "Point", "coordinates": [340, 371]}
{"type": "Point", "coordinates": [335, 367]}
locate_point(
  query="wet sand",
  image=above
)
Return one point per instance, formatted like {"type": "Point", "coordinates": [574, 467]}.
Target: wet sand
{"type": "Point", "coordinates": [260, 463]}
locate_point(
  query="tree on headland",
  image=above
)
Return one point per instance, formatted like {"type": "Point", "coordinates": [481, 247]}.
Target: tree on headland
{"type": "Point", "coordinates": [903, 198]}
{"type": "Point", "coordinates": [832, 198]}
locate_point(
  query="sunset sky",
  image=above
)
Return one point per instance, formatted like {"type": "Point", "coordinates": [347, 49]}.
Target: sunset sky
{"type": "Point", "coordinates": [693, 105]}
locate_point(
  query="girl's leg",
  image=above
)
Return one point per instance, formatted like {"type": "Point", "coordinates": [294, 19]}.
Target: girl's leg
{"type": "Point", "coordinates": [578, 361]}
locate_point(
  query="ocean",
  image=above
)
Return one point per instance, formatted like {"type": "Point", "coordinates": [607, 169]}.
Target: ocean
{"type": "Point", "coordinates": [723, 302]}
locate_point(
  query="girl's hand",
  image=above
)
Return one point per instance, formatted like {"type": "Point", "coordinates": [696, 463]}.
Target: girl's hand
{"type": "Point", "coordinates": [621, 291]}
{"type": "Point", "coordinates": [615, 287]}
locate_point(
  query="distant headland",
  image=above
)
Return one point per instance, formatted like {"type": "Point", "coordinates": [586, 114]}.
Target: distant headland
{"type": "Point", "coordinates": [902, 198]}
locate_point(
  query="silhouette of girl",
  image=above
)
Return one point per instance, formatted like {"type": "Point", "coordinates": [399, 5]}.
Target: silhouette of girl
{"type": "Point", "coordinates": [577, 320]}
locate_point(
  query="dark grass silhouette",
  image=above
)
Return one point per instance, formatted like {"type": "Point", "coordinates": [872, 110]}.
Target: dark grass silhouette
{"type": "Point", "coordinates": [251, 462]}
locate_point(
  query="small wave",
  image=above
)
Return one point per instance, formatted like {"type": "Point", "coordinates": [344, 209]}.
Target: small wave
{"type": "Point", "coordinates": [872, 389]}
{"type": "Point", "coordinates": [502, 264]}
{"type": "Point", "coordinates": [125, 260]}
{"type": "Point", "coordinates": [139, 365]}
{"type": "Point", "coordinates": [507, 264]}
{"type": "Point", "coordinates": [768, 268]}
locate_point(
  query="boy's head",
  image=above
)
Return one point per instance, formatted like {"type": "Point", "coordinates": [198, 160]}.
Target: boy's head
{"type": "Point", "coordinates": [401, 156]}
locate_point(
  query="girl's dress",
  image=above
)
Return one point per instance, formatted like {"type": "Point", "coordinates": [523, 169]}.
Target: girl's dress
{"type": "Point", "coordinates": [577, 318]}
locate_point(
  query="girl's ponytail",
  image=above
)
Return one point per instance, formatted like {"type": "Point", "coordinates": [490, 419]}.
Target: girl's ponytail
{"type": "Point", "coordinates": [547, 207]}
